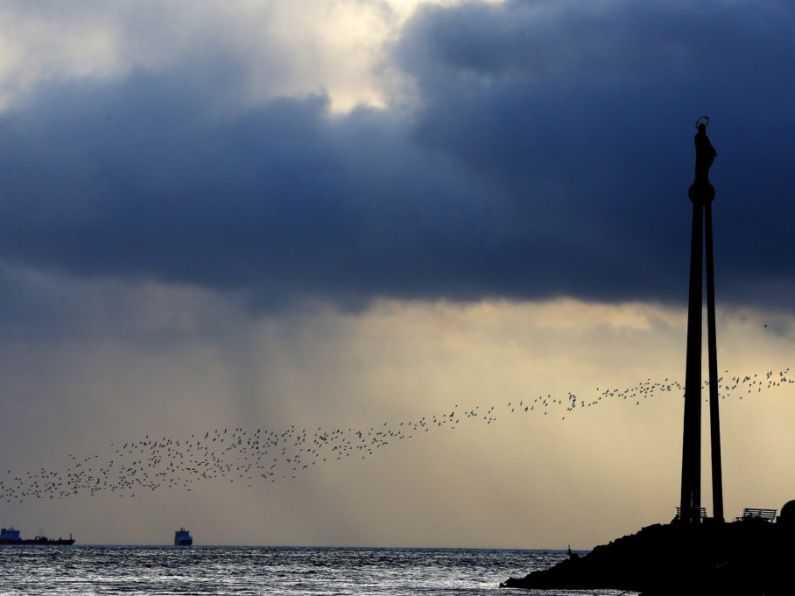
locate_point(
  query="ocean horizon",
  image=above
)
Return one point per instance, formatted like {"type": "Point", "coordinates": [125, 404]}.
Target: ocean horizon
{"type": "Point", "coordinates": [241, 570]}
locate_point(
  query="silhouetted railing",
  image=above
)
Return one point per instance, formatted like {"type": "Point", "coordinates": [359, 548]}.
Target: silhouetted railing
{"type": "Point", "coordinates": [702, 513]}
{"type": "Point", "coordinates": [768, 515]}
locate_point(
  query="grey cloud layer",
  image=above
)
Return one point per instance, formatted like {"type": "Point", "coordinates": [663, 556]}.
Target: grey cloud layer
{"type": "Point", "coordinates": [549, 153]}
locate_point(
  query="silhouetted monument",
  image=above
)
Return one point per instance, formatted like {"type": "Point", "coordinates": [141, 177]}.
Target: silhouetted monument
{"type": "Point", "coordinates": [750, 556]}
{"type": "Point", "coordinates": [701, 194]}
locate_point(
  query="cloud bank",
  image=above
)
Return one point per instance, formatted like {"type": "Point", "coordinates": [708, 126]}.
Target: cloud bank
{"type": "Point", "coordinates": [545, 150]}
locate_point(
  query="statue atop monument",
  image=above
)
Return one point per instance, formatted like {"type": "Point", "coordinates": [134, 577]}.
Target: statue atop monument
{"type": "Point", "coordinates": [701, 191]}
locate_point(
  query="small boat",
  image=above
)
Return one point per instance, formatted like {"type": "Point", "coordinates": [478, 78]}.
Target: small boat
{"type": "Point", "coordinates": [12, 536]}
{"type": "Point", "coordinates": [182, 538]}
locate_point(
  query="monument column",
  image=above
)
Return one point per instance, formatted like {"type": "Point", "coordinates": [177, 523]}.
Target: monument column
{"type": "Point", "coordinates": [712, 347]}
{"type": "Point", "coordinates": [691, 441]}
{"type": "Point", "coordinates": [701, 194]}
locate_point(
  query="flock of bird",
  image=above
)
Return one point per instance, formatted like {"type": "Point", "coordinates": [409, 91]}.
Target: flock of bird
{"type": "Point", "coordinates": [249, 456]}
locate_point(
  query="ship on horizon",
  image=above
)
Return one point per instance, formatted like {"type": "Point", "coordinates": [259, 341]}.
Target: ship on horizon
{"type": "Point", "coordinates": [182, 538]}
{"type": "Point", "coordinates": [11, 536]}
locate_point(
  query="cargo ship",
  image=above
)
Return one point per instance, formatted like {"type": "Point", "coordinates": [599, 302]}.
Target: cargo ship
{"type": "Point", "coordinates": [11, 536]}
{"type": "Point", "coordinates": [182, 538]}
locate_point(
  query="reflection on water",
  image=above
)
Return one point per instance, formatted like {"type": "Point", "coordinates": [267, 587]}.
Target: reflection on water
{"type": "Point", "coordinates": [146, 570]}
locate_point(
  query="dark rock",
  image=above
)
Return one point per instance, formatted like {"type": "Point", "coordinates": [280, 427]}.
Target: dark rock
{"type": "Point", "coordinates": [749, 557]}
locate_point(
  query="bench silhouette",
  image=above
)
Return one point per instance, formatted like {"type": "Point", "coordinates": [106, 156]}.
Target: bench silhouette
{"type": "Point", "coordinates": [769, 515]}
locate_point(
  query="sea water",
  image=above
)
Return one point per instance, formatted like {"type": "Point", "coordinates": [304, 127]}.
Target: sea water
{"type": "Point", "coordinates": [239, 570]}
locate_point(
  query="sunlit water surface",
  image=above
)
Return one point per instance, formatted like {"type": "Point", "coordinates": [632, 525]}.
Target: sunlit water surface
{"type": "Point", "coordinates": [149, 570]}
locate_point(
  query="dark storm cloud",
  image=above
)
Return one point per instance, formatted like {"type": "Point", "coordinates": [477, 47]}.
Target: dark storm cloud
{"type": "Point", "coordinates": [598, 102]}
{"type": "Point", "coordinates": [549, 154]}
{"type": "Point", "coordinates": [140, 180]}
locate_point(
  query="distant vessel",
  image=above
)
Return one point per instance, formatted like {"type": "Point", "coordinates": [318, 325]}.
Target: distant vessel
{"type": "Point", "coordinates": [11, 536]}
{"type": "Point", "coordinates": [182, 538]}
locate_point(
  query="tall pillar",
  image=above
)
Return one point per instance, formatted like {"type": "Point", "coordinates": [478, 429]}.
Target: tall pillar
{"type": "Point", "coordinates": [714, 404]}
{"type": "Point", "coordinates": [691, 441]}
{"type": "Point", "coordinates": [701, 194]}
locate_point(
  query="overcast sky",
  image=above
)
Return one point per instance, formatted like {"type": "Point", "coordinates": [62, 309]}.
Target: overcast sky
{"type": "Point", "coordinates": [337, 212]}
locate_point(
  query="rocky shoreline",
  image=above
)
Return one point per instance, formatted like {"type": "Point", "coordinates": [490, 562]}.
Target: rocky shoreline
{"type": "Point", "coordinates": [749, 557]}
